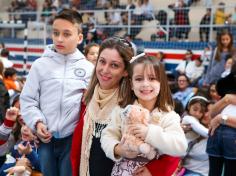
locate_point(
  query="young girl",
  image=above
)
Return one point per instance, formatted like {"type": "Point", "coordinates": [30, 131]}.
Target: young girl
{"type": "Point", "coordinates": [218, 58]}
{"type": "Point", "coordinates": [196, 110]}
{"type": "Point", "coordinates": [150, 91]}
{"type": "Point", "coordinates": [91, 52]}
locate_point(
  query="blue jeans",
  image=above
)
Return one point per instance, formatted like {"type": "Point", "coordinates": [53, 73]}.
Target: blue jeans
{"type": "Point", "coordinates": [55, 157]}
{"type": "Point", "coordinates": [191, 173]}
{"type": "Point", "coordinates": [222, 143]}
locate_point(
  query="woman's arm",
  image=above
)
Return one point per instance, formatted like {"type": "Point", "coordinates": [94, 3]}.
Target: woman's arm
{"type": "Point", "coordinates": [216, 121]}
{"type": "Point", "coordinates": [221, 104]}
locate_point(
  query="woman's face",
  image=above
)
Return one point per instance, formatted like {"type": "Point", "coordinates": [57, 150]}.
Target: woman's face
{"type": "Point", "coordinates": [182, 82]}
{"type": "Point", "coordinates": [213, 93]}
{"type": "Point", "coordinates": [110, 69]}
{"type": "Point", "coordinates": [225, 40]}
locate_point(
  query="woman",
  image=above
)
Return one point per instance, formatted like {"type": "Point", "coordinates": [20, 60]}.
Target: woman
{"type": "Point", "coordinates": [221, 143]}
{"type": "Point", "coordinates": [107, 90]}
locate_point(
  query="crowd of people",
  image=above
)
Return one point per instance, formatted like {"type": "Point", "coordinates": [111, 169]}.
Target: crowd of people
{"type": "Point", "coordinates": [131, 13]}
{"type": "Point", "coordinates": [69, 116]}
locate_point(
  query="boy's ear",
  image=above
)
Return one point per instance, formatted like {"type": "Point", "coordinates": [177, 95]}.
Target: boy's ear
{"type": "Point", "coordinates": [80, 38]}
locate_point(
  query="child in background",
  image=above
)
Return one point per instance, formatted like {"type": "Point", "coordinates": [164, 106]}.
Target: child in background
{"type": "Point", "coordinates": [91, 52]}
{"type": "Point", "coordinates": [196, 109]}
{"type": "Point", "coordinates": [215, 68]}
{"type": "Point", "coordinates": [6, 139]}
{"type": "Point", "coordinates": [164, 133]}
{"type": "Point", "coordinates": [10, 77]}
{"type": "Point", "coordinates": [51, 97]}
{"type": "Point", "coordinates": [26, 148]}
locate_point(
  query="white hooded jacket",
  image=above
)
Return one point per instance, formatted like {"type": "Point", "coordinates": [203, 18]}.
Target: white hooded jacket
{"type": "Point", "coordinates": [53, 91]}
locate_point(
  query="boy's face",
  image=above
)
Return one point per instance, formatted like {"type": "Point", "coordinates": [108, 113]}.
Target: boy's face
{"type": "Point", "coordinates": [65, 36]}
{"type": "Point", "coordinates": [13, 77]}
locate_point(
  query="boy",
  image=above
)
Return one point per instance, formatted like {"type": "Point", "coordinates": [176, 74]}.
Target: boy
{"type": "Point", "coordinates": [51, 98]}
{"type": "Point", "coordinates": [10, 78]}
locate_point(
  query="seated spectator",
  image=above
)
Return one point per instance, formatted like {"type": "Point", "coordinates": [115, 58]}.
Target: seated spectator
{"type": "Point", "coordinates": [91, 52]}
{"type": "Point", "coordinates": [26, 148]}
{"type": "Point", "coordinates": [10, 80]}
{"type": "Point", "coordinates": [4, 96]}
{"type": "Point", "coordinates": [184, 92]}
{"type": "Point", "coordinates": [6, 139]}
{"type": "Point", "coordinates": [228, 66]}
{"type": "Point", "coordinates": [194, 70]}
{"type": "Point", "coordinates": [196, 161]}
{"type": "Point", "coordinates": [212, 93]}
{"type": "Point", "coordinates": [181, 68]}
{"type": "Point", "coordinates": [206, 20]}
{"type": "Point", "coordinates": [4, 58]}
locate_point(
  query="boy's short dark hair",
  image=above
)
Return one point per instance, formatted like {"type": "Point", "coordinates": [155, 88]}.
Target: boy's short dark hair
{"type": "Point", "coordinates": [72, 16]}
{"type": "Point", "coordinates": [9, 72]}
{"type": "Point", "coordinates": [5, 52]}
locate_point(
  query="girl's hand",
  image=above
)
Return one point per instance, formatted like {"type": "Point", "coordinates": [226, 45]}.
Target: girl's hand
{"type": "Point", "coordinates": [143, 171]}
{"type": "Point", "coordinates": [139, 131]}
{"type": "Point", "coordinates": [12, 113]}
{"type": "Point", "coordinates": [24, 149]}
{"type": "Point", "coordinates": [186, 127]}
{"type": "Point", "coordinates": [121, 151]}
{"type": "Point", "coordinates": [214, 124]}
{"type": "Point", "coordinates": [43, 134]}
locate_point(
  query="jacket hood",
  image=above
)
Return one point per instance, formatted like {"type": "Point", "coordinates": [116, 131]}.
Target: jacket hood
{"type": "Point", "coordinates": [50, 52]}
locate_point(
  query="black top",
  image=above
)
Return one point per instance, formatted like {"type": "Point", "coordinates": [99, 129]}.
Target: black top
{"type": "Point", "coordinates": [99, 164]}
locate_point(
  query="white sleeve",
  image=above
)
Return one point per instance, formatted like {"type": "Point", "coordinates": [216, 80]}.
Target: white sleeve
{"type": "Point", "coordinates": [196, 126]}
{"type": "Point", "coordinates": [111, 135]}
{"type": "Point", "coordinates": [168, 137]}
{"type": "Point", "coordinates": [29, 98]}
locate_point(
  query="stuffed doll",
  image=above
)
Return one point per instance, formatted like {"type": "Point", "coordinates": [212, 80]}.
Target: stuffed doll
{"type": "Point", "coordinates": [131, 115]}
{"type": "Point", "coordinates": [22, 168]}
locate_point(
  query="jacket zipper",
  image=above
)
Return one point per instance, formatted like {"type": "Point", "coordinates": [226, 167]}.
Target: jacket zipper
{"type": "Point", "coordinates": [61, 98]}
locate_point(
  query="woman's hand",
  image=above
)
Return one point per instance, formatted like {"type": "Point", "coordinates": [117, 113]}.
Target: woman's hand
{"type": "Point", "coordinates": [139, 130]}
{"type": "Point", "coordinates": [230, 98]}
{"type": "Point", "coordinates": [143, 171]}
{"type": "Point", "coordinates": [214, 124]}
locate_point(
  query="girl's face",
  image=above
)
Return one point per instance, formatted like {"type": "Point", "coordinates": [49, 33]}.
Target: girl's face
{"type": "Point", "coordinates": [110, 69]}
{"type": "Point", "coordinates": [145, 84]}
{"type": "Point", "coordinates": [26, 133]}
{"type": "Point", "coordinates": [225, 40]}
{"type": "Point", "coordinates": [92, 55]}
{"type": "Point", "coordinates": [196, 110]}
